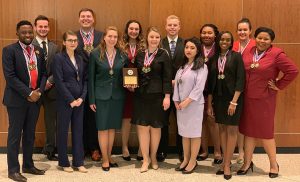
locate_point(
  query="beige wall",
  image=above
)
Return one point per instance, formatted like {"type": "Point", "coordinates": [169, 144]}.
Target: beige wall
{"type": "Point", "coordinates": [282, 15]}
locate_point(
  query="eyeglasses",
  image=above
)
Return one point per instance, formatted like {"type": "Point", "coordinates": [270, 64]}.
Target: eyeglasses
{"type": "Point", "coordinates": [72, 40]}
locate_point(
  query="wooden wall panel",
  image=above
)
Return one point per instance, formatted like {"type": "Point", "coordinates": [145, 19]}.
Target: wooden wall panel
{"type": "Point", "coordinates": [282, 15]}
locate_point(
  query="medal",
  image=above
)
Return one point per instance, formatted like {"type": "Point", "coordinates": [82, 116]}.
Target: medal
{"type": "Point", "coordinates": [256, 59]}
{"type": "Point", "coordinates": [207, 52]}
{"type": "Point", "coordinates": [88, 48]}
{"type": "Point", "coordinates": [180, 81]}
{"type": "Point", "coordinates": [148, 60]}
{"type": "Point", "coordinates": [31, 66]}
{"type": "Point", "coordinates": [183, 71]}
{"type": "Point", "coordinates": [221, 65]}
{"type": "Point", "coordinates": [205, 59]}
{"type": "Point", "coordinates": [111, 61]}
{"type": "Point", "coordinates": [88, 40]}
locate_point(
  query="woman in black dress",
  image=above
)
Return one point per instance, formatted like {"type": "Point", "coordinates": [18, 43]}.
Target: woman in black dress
{"type": "Point", "coordinates": [225, 85]}
{"type": "Point", "coordinates": [152, 97]}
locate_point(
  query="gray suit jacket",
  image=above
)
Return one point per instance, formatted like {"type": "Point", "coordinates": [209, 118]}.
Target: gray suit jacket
{"type": "Point", "coordinates": [52, 50]}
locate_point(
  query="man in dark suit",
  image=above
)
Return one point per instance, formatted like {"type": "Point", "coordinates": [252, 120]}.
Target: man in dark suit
{"type": "Point", "coordinates": [88, 39]}
{"type": "Point", "coordinates": [25, 76]}
{"type": "Point", "coordinates": [175, 47]}
{"type": "Point", "coordinates": [41, 27]}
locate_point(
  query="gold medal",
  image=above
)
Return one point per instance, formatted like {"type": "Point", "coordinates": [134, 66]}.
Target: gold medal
{"type": "Point", "coordinates": [222, 76]}
{"type": "Point", "coordinates": [31, 66]}
{"type": "Point", "coordinates": [111, 71]}
{"type": "Point", "coordinates": [146, 69]}
{"type": "Point", "coordinates": [256, 65]}
{"type": "Point", "coordinates": [252, 65]}
{"type": "Point", "coordinates": [205, 59]}
{"type": "Point", "coordinates": [88, 48]}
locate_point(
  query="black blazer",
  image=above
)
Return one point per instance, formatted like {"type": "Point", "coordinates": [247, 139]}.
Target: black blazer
{"type": "Point", "coordinates": [159, 79]}
{"type": "Point", "coordinates": [97, 38]}
{"type": "Point", "coordinates": [65, 77]}
{"type": "Point", "coordinates": [178, 54]}
{"type": "Point", "coordinates": [16, 74]}
{"type": "Point", "coordinates": [234, 72]}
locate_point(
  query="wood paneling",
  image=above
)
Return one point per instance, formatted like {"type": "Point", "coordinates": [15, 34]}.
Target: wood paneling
{"type": "Point", "coordinates": [281, 15]}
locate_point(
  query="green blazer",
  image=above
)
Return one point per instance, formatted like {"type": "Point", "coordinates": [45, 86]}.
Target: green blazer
{"type": "Point", "coordinates": [102, 85]}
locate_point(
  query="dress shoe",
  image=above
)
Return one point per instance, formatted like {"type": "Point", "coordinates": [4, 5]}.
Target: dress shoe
{"type": "Point", "coordinates": [52, 157]}
{"type": "Point", "coordinates": [244, 172]}
{"type": "Point", "coordinates": [227, 176]}
{"type": "Point", "coordinates": [274, 175]}
{"type": "Point", "coordinates": [68, 169]}
{"type": "Point", "coordinates": [180, 169]}
{"type": "Point", "coordinates": [161, 157]}
{"type": "Point", "coordinates": [218, 161]}
{"type": "Point", "coordinates": [95, 155]}
{"type": "Point", "coordinates": [113, 164]}
{"type": "Point", "coordinates": [33, 170]}
{"type": "Point", "coordinates": [17, 177]}
{"type": "Point", "coordinates": [202, 158]}
{"type": "Point", "coordinates": [128, 158]}
{"type": "Point", "coordinates": [139, 158]}
{"type": "Point", "coordinates": [220, 172]}
{"type": "Point", "coordinates": [191, 171]}
{"type": "Point", "coordinates": [106, 168]}
{"type": "Point", "coordinates": [82, 169]}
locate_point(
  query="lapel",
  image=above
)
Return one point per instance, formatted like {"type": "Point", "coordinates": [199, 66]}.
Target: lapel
{"type": "Point", "coordinates": [97, 38]}
{"type": "Point", "coordinates": [166, 45]}
{"type": "Point", "coordinates": [228, 60]}
{"type": "Point", "coordinates": [178, 46]}
{"type": "Point", "coordinates": [69, 62]}
{"type": "Point", "coordinates": [22, 59]}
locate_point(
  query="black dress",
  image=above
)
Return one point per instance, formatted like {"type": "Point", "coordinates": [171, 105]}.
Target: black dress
{"type": "Point", "coordinates": [148, 98]}
{"type": "Point", "coordinates": [223, 89]}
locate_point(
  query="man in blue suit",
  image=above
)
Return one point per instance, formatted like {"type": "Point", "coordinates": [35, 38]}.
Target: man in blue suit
{"type": "Point", "coordinates": [25, 76]}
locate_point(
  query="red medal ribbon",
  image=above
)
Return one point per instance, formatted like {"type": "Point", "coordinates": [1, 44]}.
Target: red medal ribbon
{"type": "Point", "coordinates": [148, 59]}
{"type": "Point", "coordinates": [222, 62]}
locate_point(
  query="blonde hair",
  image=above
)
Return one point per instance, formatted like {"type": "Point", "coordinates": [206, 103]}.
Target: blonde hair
{"type": "Point", "coordinates": [102, 45]}
{"type": "Point", "coordinates": [173, 17]}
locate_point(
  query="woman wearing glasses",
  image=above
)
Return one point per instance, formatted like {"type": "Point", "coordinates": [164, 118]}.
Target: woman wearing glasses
{"type": "Point", "coordinates": [70, 80]}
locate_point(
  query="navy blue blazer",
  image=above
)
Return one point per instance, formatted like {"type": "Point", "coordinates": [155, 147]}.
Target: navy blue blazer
{"type": "Point", "coordinates": [17, 76]}
{"type": "Point", "coordinates": [69, 88]}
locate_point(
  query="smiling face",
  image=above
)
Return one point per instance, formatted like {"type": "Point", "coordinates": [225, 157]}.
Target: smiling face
{"type": "Point", "coordinates": [86, 19]}
{"type": "Point", "coordinates": [25, 34]}
{"type": "Point", "coordinates": [71, 42]}
{"type": "Point", "coordinates": [42, 28]}
{"type": "Point", "coordinates": [111, 38]}
{"type": "Point", "coordinates": [225, 42]}
{"type": "Point", "coordinates": [153, 39]}
{"type": "Point", "coordinates": [207, 36]}
{"type": "Point", "coordinates": [190, 50]}
{"type": "Point", "coordinates": [243, 31]}
{"type": "Point", "coordinates": [172, 27]}
{"type": "Point", "coordinates": [263, 41]}
{"type": "Point", "coordinates": [133, 30]}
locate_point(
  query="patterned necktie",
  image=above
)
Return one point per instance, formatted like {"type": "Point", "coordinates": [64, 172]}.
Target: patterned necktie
{"type": "Point", "coordinates": [173, 47]}
{"type": "Point", "coordinates": [32, 69]}
{"type": "Point", "coordinates": [45, 50]}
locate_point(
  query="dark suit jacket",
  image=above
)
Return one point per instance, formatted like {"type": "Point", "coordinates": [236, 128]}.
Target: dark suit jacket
{"type": "Point", "coordinates": [178, 54]}
{"type": "Point", "coordinates": [16, 74]}
{"type": "Point", "coordinates": [102, 85]}
{"type": "Point", "coordinates": [79, 49]}
{"type": "Point", "coordinates": [52, 50]}
{"type": "Point", "coordinates": [65, 77]}
{"type": "Point", "coordinates": [159, 79]}
{"type": "Point", "coordinates": [234, 72]}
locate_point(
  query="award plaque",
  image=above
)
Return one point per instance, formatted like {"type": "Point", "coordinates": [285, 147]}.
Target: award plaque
{"type": "Point", "coordinates": [130, 76]}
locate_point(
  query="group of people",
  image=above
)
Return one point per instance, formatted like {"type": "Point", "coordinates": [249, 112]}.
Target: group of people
{"type": "Point", "coordinates": [214, 85]}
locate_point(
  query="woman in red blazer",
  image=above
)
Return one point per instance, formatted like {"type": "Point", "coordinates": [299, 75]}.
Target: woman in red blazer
{"type": "Point", "coordinates": [263, 65]}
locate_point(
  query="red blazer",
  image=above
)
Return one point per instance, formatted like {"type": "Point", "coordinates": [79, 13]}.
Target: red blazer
{"type": "Point", "coordinates": [236, 47]}
{"type": "Point", "coordinates": [274, 61]}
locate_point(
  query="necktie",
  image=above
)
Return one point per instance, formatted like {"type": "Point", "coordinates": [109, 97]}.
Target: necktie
{"type": "Point", "coordinates": [32, 69]}
{"type": "Point", "coordinates": [172, 48]}
{"type": "Point", "coordinates": [45, 50]}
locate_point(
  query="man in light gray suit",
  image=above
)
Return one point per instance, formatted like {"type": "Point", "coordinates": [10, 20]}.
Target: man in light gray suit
{"type": "Point", "coordinates": [41, 27]}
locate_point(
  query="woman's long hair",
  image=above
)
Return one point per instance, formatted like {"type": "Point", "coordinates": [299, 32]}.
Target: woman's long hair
{"type": "Point", "coordinates": [140, 41]}
{"type": "Point", "coordinates": [198, 60]}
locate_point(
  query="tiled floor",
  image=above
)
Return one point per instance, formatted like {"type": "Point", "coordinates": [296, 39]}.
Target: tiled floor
{"type": "Point", "coordinates": [129, 171]}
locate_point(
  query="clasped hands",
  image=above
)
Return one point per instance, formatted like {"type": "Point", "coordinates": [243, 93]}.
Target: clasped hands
{"type": "Point", "coordinates": [76, 103]}
{"type": "Point", "coordinates": [35, 95]}
{"type": "Point", "coordinates": [131, 87]}
{"type": "Point", "coordinates": [183, 104]}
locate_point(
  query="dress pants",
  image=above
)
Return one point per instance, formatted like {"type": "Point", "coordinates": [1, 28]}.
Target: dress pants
{"type": "Point", "coordinates": [65, 116]}
{"type": "Point", "coordinates": [90, 133]}
{"type": "Point", "coordinates": [22, 122]}
{"type": "Point", "coordinates": [50, 123]}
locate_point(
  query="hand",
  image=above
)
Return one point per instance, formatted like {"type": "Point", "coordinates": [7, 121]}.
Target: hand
{"type": "Point", "coordinates": [272, 85]}
{"type": "Point", "coordinates": [184, 104]}
{"type": "Point", "coordinates": [35, 96]}
{"type": "Point", "coordinates": [73, 104]}
{"type": "Point", "coordinates": [210, 111]}
{"type": "Point", "coordinates": [93, 107]}
{"type": "Point", "coordinates": [131, 87]}
{"type": "Point", "coordinates": [48, 85]}
{"type": "Point", "coordinates": [166, 103]}
{"type": "Point", "coordinates": [231, 109]}
{"type": "Point", "coordinates": [173, 83]}
{"type": "Point", "coordinates": [176, 103]}
{"type": "Point", "coordinates": [79, 102]}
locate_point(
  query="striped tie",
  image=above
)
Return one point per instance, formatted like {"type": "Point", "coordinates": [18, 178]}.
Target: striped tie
{"type": "Point", "coordinates": [173, 47]}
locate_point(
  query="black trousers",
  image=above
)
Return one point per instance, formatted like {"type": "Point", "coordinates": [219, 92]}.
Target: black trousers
{"type": "Point", "coordinates": [22, 123]}
{"type": "Point", "coordinates": [90, 132]}
{"type": "Point", "coordinates": [164, 140]}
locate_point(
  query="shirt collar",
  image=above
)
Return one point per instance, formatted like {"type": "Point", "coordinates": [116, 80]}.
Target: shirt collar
{"type": "Point", "coordinates": [39, 40]}
{"type": "Point", "coordinates": [169, 39]}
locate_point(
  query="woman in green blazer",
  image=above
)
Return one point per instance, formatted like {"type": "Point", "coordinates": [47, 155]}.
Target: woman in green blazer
{"type": "Point", "coordinates": [106, 92]}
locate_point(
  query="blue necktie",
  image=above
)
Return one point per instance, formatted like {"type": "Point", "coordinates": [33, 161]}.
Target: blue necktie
{"type": "Point", "coordinates": [173, 47]}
